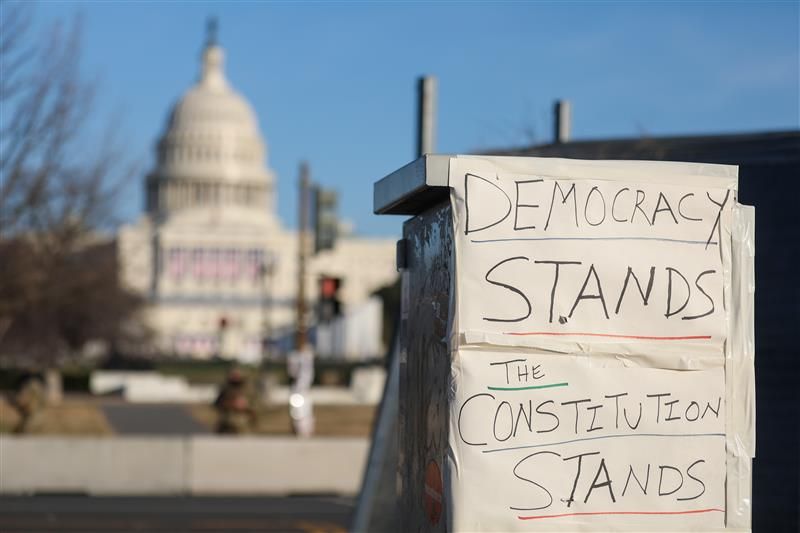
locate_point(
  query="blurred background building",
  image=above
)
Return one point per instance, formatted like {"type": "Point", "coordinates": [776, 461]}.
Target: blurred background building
{"type": "Point", "coordinates": [216, 265]}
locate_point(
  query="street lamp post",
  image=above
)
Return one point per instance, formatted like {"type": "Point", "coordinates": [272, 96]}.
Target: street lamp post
{"type": "Point", "coordinates": [267, 272]}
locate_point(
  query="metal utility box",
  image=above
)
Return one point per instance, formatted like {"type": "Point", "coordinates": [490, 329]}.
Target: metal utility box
{"type": "Point", "coordinates": [426, 262]}
{"type": "Point", "coordinates": [576, 345]}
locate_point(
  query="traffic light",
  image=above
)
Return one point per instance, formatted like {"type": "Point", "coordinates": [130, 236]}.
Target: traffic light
{"type": "Point", "coordinates": [330, 306]}
{"type": "Point", "coordinates": [326, 223]}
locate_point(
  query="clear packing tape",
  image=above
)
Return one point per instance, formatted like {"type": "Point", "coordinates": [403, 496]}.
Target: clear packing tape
{"type": "Point", "coordinates": [739, 351]}
{"type": "Point", "coordinates": [644, 354]}
{"type": "Point", "coordinates": [740, 371]}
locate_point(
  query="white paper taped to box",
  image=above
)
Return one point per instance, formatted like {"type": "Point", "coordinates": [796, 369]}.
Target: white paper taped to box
{"type": "Point", "coordinates": [603, 348]}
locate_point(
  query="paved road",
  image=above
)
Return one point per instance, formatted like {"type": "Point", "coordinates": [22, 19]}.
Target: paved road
{"type": "Point", "coordinates": [44, 514]}
{"type": "Point", "coordinates": [155, 419]}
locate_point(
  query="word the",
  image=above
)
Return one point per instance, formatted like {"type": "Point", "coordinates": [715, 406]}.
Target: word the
{"type": "Point", "coordinates": [520, 371]}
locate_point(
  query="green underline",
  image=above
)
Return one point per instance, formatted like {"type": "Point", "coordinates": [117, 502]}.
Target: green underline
{"type": "Point", "coordinates": [564, 384]}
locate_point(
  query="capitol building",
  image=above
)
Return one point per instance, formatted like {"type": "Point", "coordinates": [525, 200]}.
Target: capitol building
{"type": "Point", "coordinates": [216, 266]}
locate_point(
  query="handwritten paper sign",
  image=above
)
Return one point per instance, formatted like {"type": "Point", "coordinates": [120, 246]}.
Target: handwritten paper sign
{"type": "Point", "coordinates": [551, 442]}
{"type": "Point", "coordinates": [593, 337]}
{"type": "Point", "coordinates": [602, 259]}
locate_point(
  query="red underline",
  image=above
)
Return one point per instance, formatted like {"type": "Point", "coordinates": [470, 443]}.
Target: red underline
{"type": "Point", "coordinates": [693, 511]}
{"type": "Point", "coordinates": [609, 335]}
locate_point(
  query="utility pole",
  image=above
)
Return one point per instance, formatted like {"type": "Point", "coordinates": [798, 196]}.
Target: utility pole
{"type": "Point", "coordinates": [562, 121]}
{"type": "Point", "coordinates": [267, 271]}
{"type": "Point", "coordinates": [300, 364]}
{"type": "Point", "coordinates": [301, 256]}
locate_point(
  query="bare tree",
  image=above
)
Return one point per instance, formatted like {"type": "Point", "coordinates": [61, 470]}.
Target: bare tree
{"type": "Point", "coordinates": [59, 285]}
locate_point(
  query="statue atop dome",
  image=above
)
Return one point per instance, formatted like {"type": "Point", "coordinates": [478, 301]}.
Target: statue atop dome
{"type": "Point", "coordinates": [212, 74]}
{"type": "Point", "coordinates": [212, 27]}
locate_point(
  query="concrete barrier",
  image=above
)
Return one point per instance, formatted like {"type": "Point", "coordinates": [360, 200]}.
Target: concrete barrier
{"type": "Point", "coordinates": [92, 465]}
{"type": "Point", "coordinates": [276, 465]}
{"type": "Point", "coordinates": [184, 465]}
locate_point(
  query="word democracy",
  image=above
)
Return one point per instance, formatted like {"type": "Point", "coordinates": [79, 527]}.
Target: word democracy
{"type": "Point", "coordinates": [555, 204]}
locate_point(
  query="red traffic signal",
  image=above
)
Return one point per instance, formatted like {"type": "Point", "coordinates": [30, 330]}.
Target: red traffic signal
{"type": "Point", "coordinates": [329, 306]}
{"type": "Point", "coordinates": [328, 287]}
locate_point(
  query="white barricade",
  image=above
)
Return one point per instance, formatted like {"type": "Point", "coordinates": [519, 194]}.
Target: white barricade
{"type": "Point", "coordinates": [184, 465]}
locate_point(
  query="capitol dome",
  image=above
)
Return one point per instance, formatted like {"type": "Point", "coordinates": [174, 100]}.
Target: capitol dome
{"type": "Point", "coordinates": [211, 151]}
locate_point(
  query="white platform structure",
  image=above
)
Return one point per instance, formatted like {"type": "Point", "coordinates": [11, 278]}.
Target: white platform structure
{"type": "Point", "coordinates": [217, 266]}
{"type": "Point", "coordinates": [150, 387]}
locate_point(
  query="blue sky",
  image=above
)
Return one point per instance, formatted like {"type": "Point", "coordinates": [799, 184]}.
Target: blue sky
{"type": "Point", "coordinates": [334, 82]}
